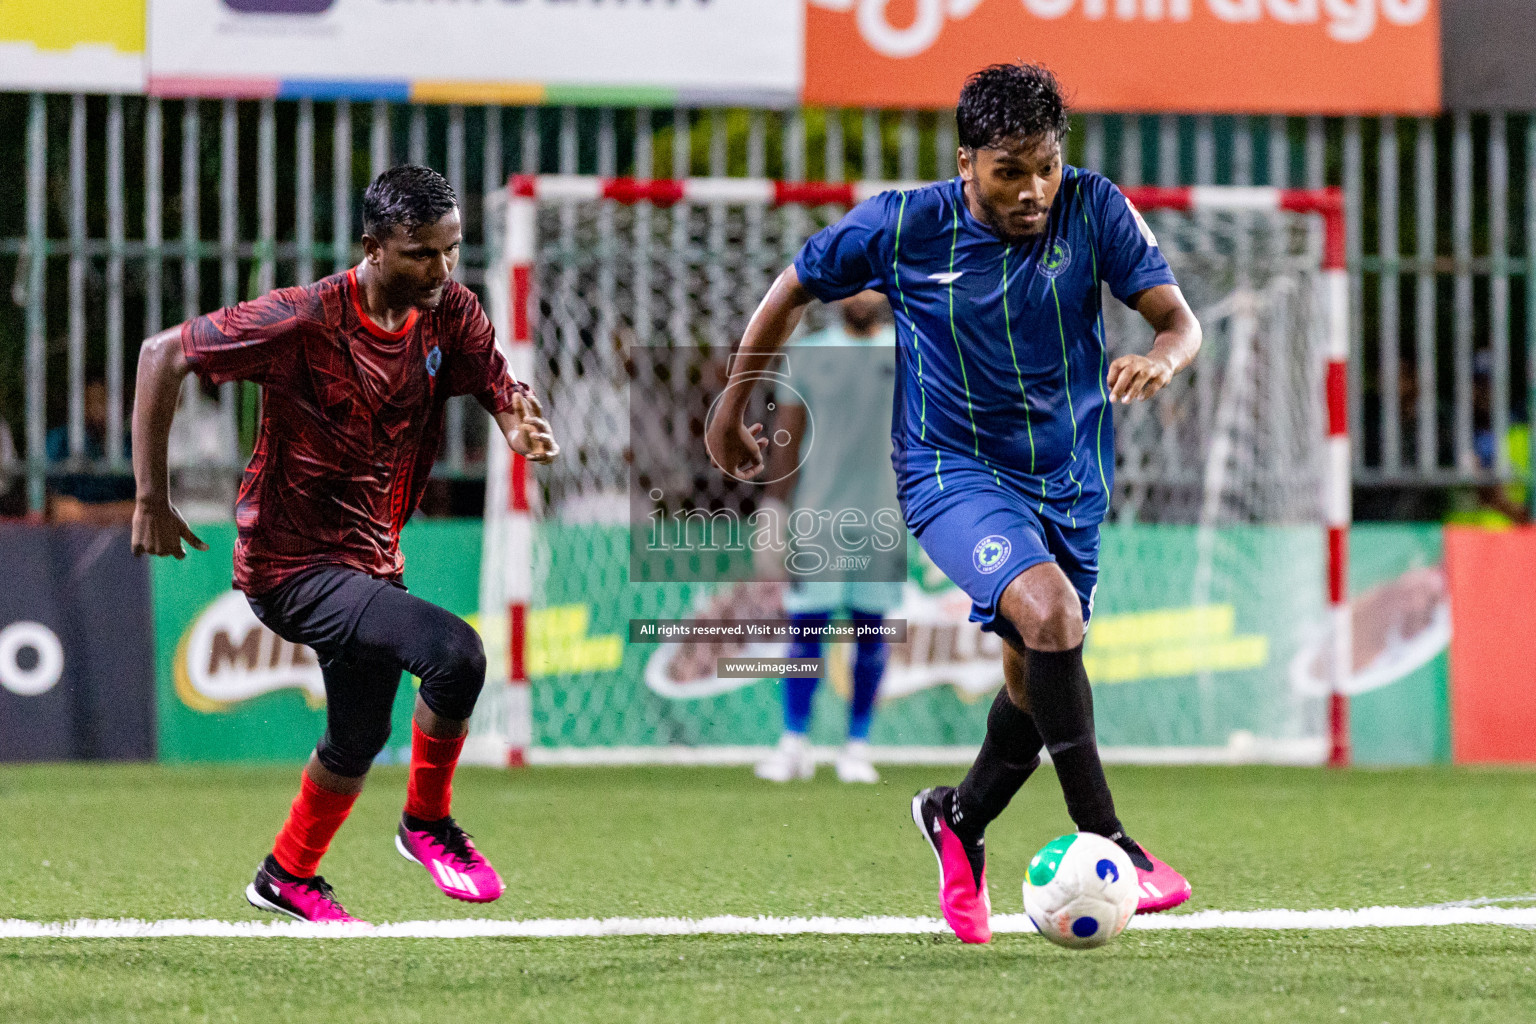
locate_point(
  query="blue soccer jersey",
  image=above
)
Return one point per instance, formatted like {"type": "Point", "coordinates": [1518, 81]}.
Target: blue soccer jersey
{"type": "Point", "coordinates": [1001, 357]}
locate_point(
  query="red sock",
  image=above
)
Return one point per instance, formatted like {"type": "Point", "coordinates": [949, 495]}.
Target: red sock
{"type": "Point", "coordinates": [430, 789]}
{"type": "Point", "coordinates": [313, 819]}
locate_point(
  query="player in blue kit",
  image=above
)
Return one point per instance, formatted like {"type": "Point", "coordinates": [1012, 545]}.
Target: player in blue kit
{"type": "Point", "coordinates": [1002, 432]}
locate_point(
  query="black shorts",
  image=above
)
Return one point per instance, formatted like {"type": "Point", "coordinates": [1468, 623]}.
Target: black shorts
{"type": "Point", "coordinates": [365, 631]}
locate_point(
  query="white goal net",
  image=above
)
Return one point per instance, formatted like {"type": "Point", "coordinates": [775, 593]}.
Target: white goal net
{"type": "Point", "coordinates": [1211, 614]}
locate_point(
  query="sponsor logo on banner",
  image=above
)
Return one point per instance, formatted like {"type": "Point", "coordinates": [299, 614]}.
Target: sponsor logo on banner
{"type": "Point", "coordinates": [1396, 628]}
{"type": "Point", "coordinates": [280, 6]}
{"type": "Point", "coordinates": [483, 51]}
{"type": "Point", "coordinates": [72, 45]}
{"type": "Point", "coordinates": [227, 656]}
{"type": "Point", "coordinates": [1322, 56]}
{"type": "Point", "coordinates": [39, 669]}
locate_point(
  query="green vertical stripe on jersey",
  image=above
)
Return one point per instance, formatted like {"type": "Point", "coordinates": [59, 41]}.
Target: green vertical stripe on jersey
{"type": "Point", "coordinates": [922, 391]}
{"type": "Point", "coordinates": [922, 433]}
{"type": "Point", "coordinates": [965, 381]}
{"type": "Point", "coordinates": [1098, 320]}
{"type": "Point", "coordinates": [1023, 397]}
{"type": "Point", "coordinates": [901, 216]}
{"type": "Point", "coordinates": [1066, 376]}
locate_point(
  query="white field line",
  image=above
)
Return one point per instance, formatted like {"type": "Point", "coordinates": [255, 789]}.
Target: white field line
{"type": "Point", "coordinates": [1259, 920]}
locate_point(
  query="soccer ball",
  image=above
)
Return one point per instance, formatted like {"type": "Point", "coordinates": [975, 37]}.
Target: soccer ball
{"type": "Point", "coordinates": [1080, 891]}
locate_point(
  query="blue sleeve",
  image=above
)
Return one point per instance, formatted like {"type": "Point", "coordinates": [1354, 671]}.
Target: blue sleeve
{"type": "Point", "coordinates": [850, 256]}
{"type": "Point", "coordinates": [1129, 258]}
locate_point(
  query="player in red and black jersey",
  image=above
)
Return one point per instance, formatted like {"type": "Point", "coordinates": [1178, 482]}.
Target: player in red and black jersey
{"type": "Point", "coordinates": [355, 371]}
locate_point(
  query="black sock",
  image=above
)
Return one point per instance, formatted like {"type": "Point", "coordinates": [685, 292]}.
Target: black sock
{"type": "Point", "coordinates": [421, 824]}
{"type": "Point", "coordinates": [1062, 706]}
{"type": "Point", "coordinates": [279, 872]}
{"type": "Point", "coordinates": [1010, 752]}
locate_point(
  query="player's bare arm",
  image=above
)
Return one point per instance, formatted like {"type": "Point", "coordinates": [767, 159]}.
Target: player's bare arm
{"type": "Point", "coordinates": [1135, 378]}
{"type": "Point", "coordinates": [158, 528]}
{"type": "Point", "coordinates": [527, 431]}
{"type": "Point", "coordinates": [733, 445]}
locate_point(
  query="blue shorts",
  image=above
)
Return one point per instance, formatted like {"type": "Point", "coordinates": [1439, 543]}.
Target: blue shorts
{"type": "Point", "coordinates": [983, 535]}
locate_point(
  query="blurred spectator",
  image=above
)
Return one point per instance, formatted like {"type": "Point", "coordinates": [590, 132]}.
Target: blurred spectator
{"type": "Point", "coordinates": [1493, 505]}
{"type": "Point", "coordinates": [203, 455]}
{"type": "Point", "coordinates": [89, 493]}
{"type": "Point", "coordinates": [13, 500]}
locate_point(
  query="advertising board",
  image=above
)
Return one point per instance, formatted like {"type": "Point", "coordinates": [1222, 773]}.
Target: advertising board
{"type": "Point", "coordinates": [531, 51]}
{"type": "Point", "coordinates": [231, 690]}
{"type": "Point", "coordinates": [72, 45]}
{"type": "Point", "coordinates": [1232, 56]}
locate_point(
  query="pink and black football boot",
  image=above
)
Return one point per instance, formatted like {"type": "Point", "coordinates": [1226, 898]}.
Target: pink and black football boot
{"type": "Point", "coordinates": [1160, 887]}
{"type": "Point", "coordinates": [451, 860]}
{"type": "Point", "coordinates": [962, 868]}
{"type": "Point", "coordinates": [303, 899]}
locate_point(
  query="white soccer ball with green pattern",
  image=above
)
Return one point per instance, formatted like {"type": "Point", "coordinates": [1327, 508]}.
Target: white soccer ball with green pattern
{"type": "Point", "coordinates": [1080, 891]}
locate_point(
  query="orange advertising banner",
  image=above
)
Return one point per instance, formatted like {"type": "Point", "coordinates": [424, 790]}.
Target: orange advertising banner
{"type": "Point", "coordinates": [1493, 658]}
{"type": "Point", "coordinates": [1218, 56]}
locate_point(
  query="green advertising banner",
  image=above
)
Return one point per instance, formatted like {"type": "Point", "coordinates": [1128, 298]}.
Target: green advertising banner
{"type": "Point", "coordinates": [1399, 705]}
{"type": "Point", "coordinates": [228, 689]}
{"type": "Point", "coordinates": [1193, 644]}
{"type": "Point", "coordinates": [1210, 644]}
{"type": "Point", "coordinates": [1204, 644]}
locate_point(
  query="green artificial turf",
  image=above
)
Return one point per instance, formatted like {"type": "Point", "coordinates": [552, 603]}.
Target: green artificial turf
{"type": "Point", "coordinates": [154, 842]}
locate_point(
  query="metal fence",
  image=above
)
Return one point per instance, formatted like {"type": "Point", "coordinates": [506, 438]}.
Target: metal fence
{"type": "Point", "coordinates": [139, 213]}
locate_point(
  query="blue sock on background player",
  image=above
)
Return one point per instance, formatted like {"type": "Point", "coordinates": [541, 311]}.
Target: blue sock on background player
{"type": "Point", "coordinates": [869, 660]}
{"type": "Point", "coordinates": [798, 691]}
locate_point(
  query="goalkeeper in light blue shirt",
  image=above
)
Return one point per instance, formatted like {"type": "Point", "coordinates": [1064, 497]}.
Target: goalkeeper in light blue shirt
{"type": "Point", "coordinates": [843, 377]}
{"type": "Point", "coordinates": [1002, 433]}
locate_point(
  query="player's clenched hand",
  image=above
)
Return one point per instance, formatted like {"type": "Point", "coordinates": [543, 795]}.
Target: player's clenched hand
{"type": "Point", "coordinates": [532, 438]}
{"type": "Point", "coordinates": [1135, 378]}
{"type": "Point", "coordinates": [735, 447]}
{"type": "Point", "coordinates": [158, 529]}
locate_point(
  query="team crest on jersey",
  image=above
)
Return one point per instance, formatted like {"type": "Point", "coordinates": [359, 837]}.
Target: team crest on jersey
{"type": "Point", "coordinates": [434, 360]}
{"type": "Point", "coordinates": [990, 553]}
{"type": "Point", "coordinates": [1056, 259]}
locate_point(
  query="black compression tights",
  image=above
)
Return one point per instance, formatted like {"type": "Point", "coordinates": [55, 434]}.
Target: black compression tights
{"type": "Point", "coordinates": [396, 631]}
{"type": "Point", "coordinates": [1061, 720]}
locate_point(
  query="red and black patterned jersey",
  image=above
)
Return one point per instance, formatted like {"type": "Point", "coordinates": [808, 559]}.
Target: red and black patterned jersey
{"type": "Point", "coordinates": [351, 418]}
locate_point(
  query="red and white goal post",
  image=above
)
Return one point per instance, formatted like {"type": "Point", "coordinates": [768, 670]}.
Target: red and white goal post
{"type": "Point", "coordinates": [1327, 204]}
{"type": "Point", "coordinates": [504, 727]}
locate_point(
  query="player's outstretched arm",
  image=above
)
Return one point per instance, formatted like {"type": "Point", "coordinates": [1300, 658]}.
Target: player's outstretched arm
{"type": "Point", "coordinates": [1135, 378]}
{"type": "Point", "coordinates": [734, 446]}
{"type": "Point", "coordinates": [526, 430]}
{"type": "Point", "coordinates": [158, 528]}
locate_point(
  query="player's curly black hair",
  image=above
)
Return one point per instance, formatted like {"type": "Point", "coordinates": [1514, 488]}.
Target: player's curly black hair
{"type": "Point", "coordinates": [1010, 101]}
{"type": "Point", "coordinates": [408, 196]}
